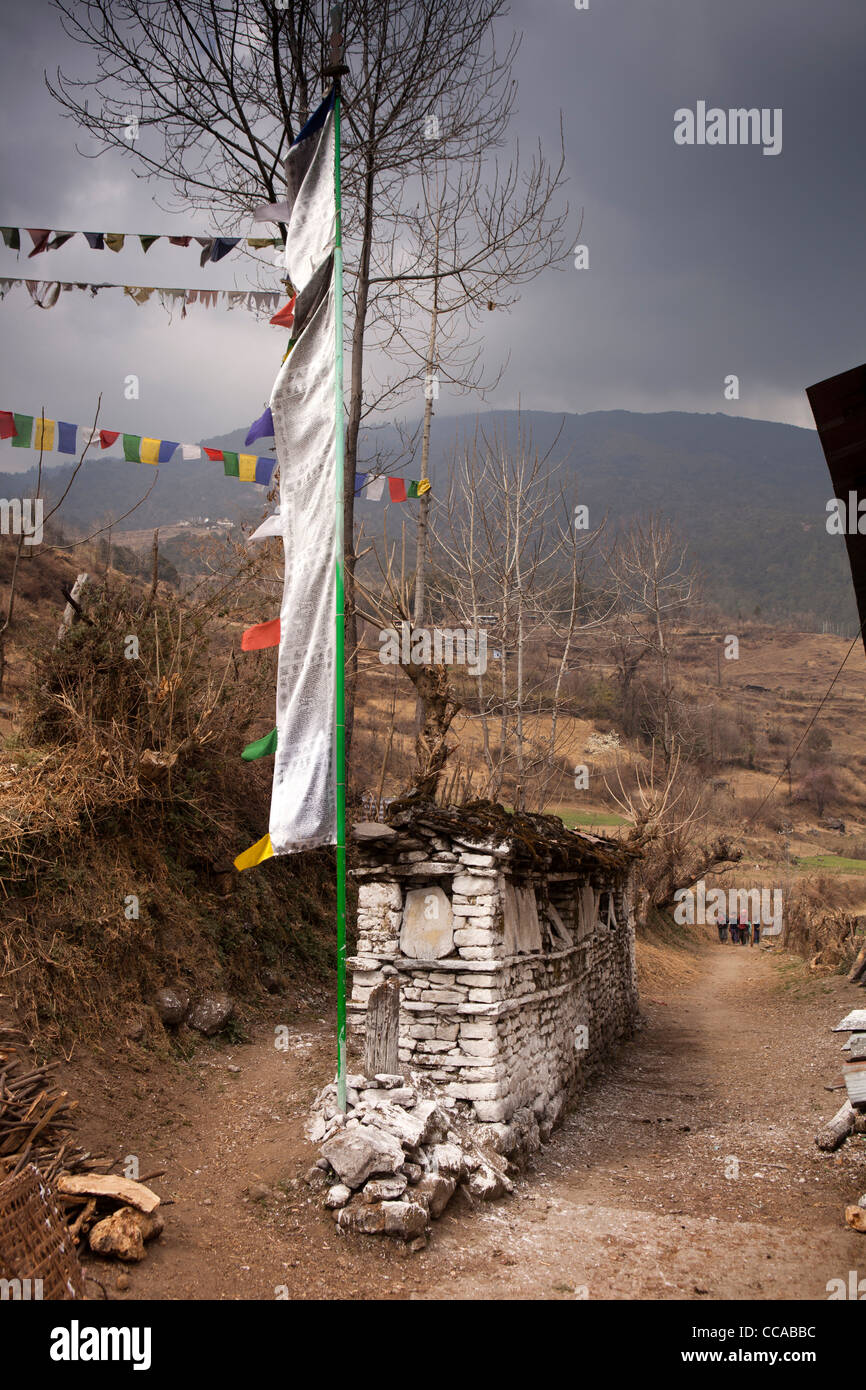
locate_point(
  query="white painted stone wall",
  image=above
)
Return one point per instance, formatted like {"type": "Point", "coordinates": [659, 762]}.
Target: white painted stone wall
{"type": "Point", "coordinates": [530, 980]}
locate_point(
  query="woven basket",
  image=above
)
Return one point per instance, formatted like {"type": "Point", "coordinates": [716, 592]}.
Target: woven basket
{"type": "Point", "coordinates": [35, 1242]}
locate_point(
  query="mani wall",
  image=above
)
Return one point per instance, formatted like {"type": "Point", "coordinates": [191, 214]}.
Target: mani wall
{"type": "Point", "coordinates": [512, 940]}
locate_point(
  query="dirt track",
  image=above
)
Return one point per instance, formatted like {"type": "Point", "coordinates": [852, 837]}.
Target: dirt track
{"type": "Point", "coordinates": [630, 1200]}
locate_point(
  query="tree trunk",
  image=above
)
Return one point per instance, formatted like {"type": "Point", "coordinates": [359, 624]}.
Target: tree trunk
{"type": "Point", "coordinates": [836, 1131]}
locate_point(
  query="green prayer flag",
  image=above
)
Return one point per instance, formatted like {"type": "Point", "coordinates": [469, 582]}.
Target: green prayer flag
{"type": "Point", "coordinates": [261, 747]}
{"type": "Point", "coordinates": [147, 242]}
{"type": "Point", "coordinates": [23, 431]}
{"type": "Point", "coordinates": [132, 448]}
{"type": "Point", "coordinates": [231, 468]}
{"type": "Point", "coordinates": [412, 490]}
{"type": "Point", "coordinates": [12, 238]}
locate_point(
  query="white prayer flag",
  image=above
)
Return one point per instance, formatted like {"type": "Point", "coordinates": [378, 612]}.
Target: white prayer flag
{"type": "Point", "coordinates": [373, 489]}
{"type": "Point", "coordinates": [303, 406]}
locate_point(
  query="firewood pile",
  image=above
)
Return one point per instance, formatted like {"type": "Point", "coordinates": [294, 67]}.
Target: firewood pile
{"type": "Point", "coordinates": [114, 1215]}
{"type": "Point", "coordinates": [37, 1118]}
{"type": "Point", "coordinates": [851, 1117]}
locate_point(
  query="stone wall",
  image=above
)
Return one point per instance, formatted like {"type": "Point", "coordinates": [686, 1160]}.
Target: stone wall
{"type": "Point", "coordinates": [515, 956]}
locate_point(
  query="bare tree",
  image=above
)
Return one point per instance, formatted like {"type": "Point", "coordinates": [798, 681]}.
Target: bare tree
{"type": "Point", "coordinates": [219, 89]}
{"type": "Point", "coordinates": [666, 812]}
{"type": "Point", "coordinates": [655, 582]}
{"type": "Point", "coordinates": [509, 561]}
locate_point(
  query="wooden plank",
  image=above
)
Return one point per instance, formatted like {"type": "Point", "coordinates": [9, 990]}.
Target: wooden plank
{"type": "Point", "coordinates": [382, 1034]}
{"type": "Point", "coordinates": [134, 1194]}
{"type": "Point", "coordinates": [855, 1022]}
{"type": "Point", "coordinates": [855, 1082]}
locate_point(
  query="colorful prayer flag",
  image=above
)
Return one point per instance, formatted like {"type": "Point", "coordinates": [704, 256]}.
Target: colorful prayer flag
{"type": "Point", "coordinates": [107, 438]}
{"type": "Point", "coordinates": [256, 854]}
{"type": "Point", "coordinates": [66, 437]}
{"type": "Point", "coordinates": [7, 425]}
{"type": "Point", "coordinates": [149, 450]}
{"type": "Point", "coordinates": [261, 747]}
{"type": "Point", "coordinates": [262, 635]}
{"type": "Point", "coordinates": [43, 433]}
{"type": "Point", "coordinates": [23, 431]}
{"type": "Point", "coordinates": [260, 428]}
{"type": "Point", "coordinates": [396, 489]}
{"type": "Point", "coordinates": [132, 448]}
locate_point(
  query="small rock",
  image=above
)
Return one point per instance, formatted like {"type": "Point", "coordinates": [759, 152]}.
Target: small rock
{"type": "Point", "coordinates": [404, 1219]}
{"type": "Point", "coordinates": [367, 1219]}
{"type": "Point", "coordinates": [124, 1233]}
{"type": "Point", "coordinates": [258, 1192]}
{"type": "Point", "coordinates": [355, 1154]}
{"type": "Point", "coordinates": [356, 1082]}
{"type": "Point", "coordinates": [384, 1189]}
{"type": "Point", "coordinates": [389, 1079]}
{"type": "Point", "coordinates": [855, 1217]}
{"type": "Point", "coordinates": [318, 1177]}
{"type": "Point", "coordinates": [486, 1184]}
{"type": "Point", "coordinates": [418, 1244]}
{"type": "Point", "coordinates": [435, 1193]}
{"type": "Point", "coordinates": [171, 1005]}
{"type": "Point", "coordinates": [135, 1030]}
{"type": "Point", "coordinates": [414, 1173]}
{"type": "Point", "coordinates": [211, 1013]}
{"type": "Point", "coordinates": [233, 1068]}
{"type": "Point", "coordinates": [338, 1196]}
{"type": "Point", "coordinates": [448, 1160]}
{"type": "Point", "coordinates": [122, 1281]}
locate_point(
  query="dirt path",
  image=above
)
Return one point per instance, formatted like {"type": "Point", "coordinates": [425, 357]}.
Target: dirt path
{"type": "Point", "coordinates": [630, 1199]}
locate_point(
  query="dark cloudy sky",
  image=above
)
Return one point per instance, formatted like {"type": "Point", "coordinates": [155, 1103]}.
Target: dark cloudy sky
{"type": "Point", "coordinates": [703, 261]}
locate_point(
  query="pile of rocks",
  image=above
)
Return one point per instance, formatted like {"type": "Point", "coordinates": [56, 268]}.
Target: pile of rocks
{"type": "Point", "coordinates": [394, 1160]}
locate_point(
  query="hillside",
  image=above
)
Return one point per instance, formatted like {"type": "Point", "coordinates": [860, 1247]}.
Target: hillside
{"type": "Point", "coordinates": [751, 495]}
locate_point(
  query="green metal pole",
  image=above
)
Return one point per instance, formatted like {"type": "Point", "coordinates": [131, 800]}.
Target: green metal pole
{"type": "Point", "coordinates": [340, 615]}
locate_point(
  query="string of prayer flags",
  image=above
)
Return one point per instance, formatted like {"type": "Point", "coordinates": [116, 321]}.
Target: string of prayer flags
{"type": "Point", "coordinates": [370, 487]}
{"type": "Point", "coordinates": [213, 247]}
{"type": "Point", "coordinates": [45, 294]}
{"type": "Point", "coordinates": [246, 467]}
{"type": "Point", "coordinates": [32, 432]}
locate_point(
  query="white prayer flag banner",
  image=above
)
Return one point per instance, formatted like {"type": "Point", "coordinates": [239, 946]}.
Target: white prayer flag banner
{"type": "Point", "coordinates": [303, 406]}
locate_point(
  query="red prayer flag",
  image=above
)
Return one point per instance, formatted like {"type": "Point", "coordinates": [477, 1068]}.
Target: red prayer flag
{"type": "Point", "coordinates": [107, 438]}
{"type": "Point", "coordinates": [397, 489]}
{"type": "Point", "coordinates": [255, 639]}
{"type": "Point", "coordinates": [39, 236]}
{"type": "Point", "coordinates": [286, 316]}
{"type": "Point", "coordinates": [215, 454]}
{"type": "Point", "coordinates": [7, 425]}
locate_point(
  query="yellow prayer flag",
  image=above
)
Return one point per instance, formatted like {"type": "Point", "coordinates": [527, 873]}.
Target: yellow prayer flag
{"type": "Point", "coordinates": [256, 854]}
{"type": "Point", "coordinates": [150, 450]}
{"type": "Point", "coordinates": [114, 240]}
{"type": "Point", "coordinates": [423, 486]}
{"type": "Point", "coordinates": [43, 436]}
{"type": "Point", "coordinates": [247, 467]}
